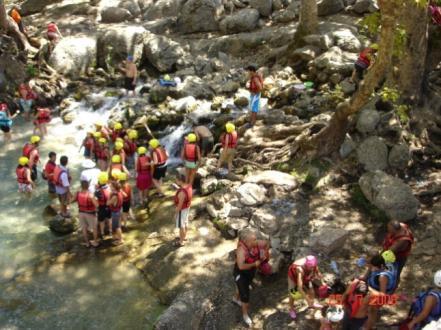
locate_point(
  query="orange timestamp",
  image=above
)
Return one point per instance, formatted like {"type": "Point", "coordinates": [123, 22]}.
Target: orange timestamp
{"type": "Point", "coordinates": [374, 299]}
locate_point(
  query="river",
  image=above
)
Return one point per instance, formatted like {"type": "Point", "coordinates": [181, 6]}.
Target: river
{"type": "Point", "coordinates": [39, 290]}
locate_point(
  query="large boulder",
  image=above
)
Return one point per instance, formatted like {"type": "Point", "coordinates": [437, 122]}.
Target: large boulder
{"type": "Point", "coordinates": [196, 87]}
{"type": "Point", "coordinates": [329, 7]}
{"type": "Point", "coordinates": [63, 226]}
{"type": "Point", "coordinates": [273, 178]}
{"type": "Point", "coordinates": [208, 185]}
{"type": "Point", "coordinates": [265, 219]}
{"type": "Point", "coordinates": [251, 194]}
{"type": "Point", "coordinates": [163, 53]}
{"type": "Point", "coordinates": [372, 153]}
{"type": "Point", "coordinates": [243, 21]}
{"type": "Point", "coordinates": [346, 40]}
{"type": "Point", "coordinates": [34, 6]}
{"type": "Point", "coordinates": [336, 60]}
{"type": "Point", "coordinates": [132, 6]}
{"type": "Point", "coordinates": [368, 121]}
{"type": "Point", "coordinates": [73, 55]}
{"type": "Point", "coordinates": [327, 239]}
{"type": "Point", "coordinates": [115, 15]}
{"type": "Point", "coordinates": [399, 156]}
{"type": "Point", "coordinates": [264, 7]}
{"type": "Point", "coordinates": [163, 8]}
{"type": "Point", "coordinates": [199, 16]}
{"type": "Point", "coordinates": [365, 6]}
{"type": "Point", "coordinates": [389, 194]}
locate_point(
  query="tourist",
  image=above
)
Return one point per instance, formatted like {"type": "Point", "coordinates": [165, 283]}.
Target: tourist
{"type": "Point", "coordinates": [89, 143]}
{"type": "Point", "coordinates": [229, 145]}
{"type": "Point", "coordinates": [117, 131]}
{"type": "Point", "coordinates": [30, 150]}
{"type": "Point", "coordinates": [87, 206]}
{"type": "Point", "coordinates": [244, 271]}
{"type": "Point", "coordinates": [42, 118]}
{"type": "Point", "coordinates": [90, 174]}
{"type": "Point", "coordinates": [116, 166]}
{"type": "Point", "coordinates": [127, 200]}
{"type": "Point", "coordinates": [119, 150]}
{"type": "Point", "coordinates": [205, 139]}
{"type": "Point", "coordinates": [399, 240]}
{"type": "Point", "coordinates": [53, 33]}
{"type": "Point", "coordinates": [255, 86]}
{"type": "Point", "coordinates": [102, 153]}
{"type": "Point", "coordinates": [103, 130]}
{"type": "Point", "coordinates": [15, 14]}
{"type": "Point", "coordinates": [363, 63]}
{"type": "Point", "coordinates": [182, 199]}
{"type": "Point", "coordinates": [23, 172]}
{"type": "Point", "coordinates": [356, 301]}
{"type": "Point", "coordinates": [263, 247]}
{"type": "Point", "coordinates": [5, 121]}
{"type": "Point", "coordinates": [191, 155]}
{"type": "Point", "coordinates": [304, 278]}
{"type": "Point", "coordinates": [62, 186]}
{"type": "Point", "coordinates": [143, 174]}
{"type": "Point", "coordinates": [130, 148]}
{"type": "Point", "coordinates": [102, 193]}
{"type": "Point", "coordinates": [48, 172]}
{"type": "Point", "coordinates": [27, 98]}
{"type": "Point", "coordinates": [426, 307]}
{"type": "Point", "coordinates": [159, 158]}
{"type": "Point", "coordinates": [131, 73]}
{"type": "Point", "coordinates": [115, 205]}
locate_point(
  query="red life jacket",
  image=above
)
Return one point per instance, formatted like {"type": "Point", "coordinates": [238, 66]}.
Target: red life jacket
{"type": "Point", "coordinates": [51, 27]}
{"type": "Point", "coordinates": [3, 107]}
{"type": "Point", "coordinates": [306, 277]}
{"type": "Point", "coordinates": [143, 162]}
{"type": "Point", "coordinates": [28, 149]}
{"type": "Point", "coordinates": [161, 155]}
{"type": "Point", "coordinates": [190, 152]}
{"type": "Point", "coordinates": [353, 302]}
{"type": "Point", "coordinates": [128, 190]}
{"type": "Point", "coordinates": [104, 196]}
{"type": "Point", "coordinates": [30, 94]}
{"type": "Point", "coordinates": [188, 191]}
{"type": "Point", "coordinates": [22, 174]}
{"type": "Point", "coordinates": [253, 84]}
{"type": "Point", "coordinates": [100, 151]}
{"type": "Point", "coordinates": [48, 170]}
{"type": "Point", "coordinates": [251, 255]}
{"type": "Point", "coordinates": [119, 203]}
{"type": "Point", "coordinates": [44, 115]}
{"type": "Point", "coordinates": [364, 56]}
{"type": "Point", "coordinates": [89, 143]}
{"type": "Point", "coordinates": [84, 200]}
{"type": "Point", "coordinates": [232, 140]}
{"type": "Point", "coordinates": [129, 147]}
{"type": "Point", "coordinates": [57, 176]}
{"type": "Point", "coordinates": [391, 240]}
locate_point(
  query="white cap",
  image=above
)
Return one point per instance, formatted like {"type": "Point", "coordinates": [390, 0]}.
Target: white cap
{"type": "Point", "coordinates": [437, 278]}
{"type": "Point", "coordinates": [88, 163]}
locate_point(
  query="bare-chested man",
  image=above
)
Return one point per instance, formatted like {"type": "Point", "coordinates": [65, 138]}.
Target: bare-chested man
{"type": "Point", "coordinates": [131, 74]}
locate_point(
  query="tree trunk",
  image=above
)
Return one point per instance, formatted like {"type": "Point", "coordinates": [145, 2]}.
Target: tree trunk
{"type": "Point", "coordinates": [330, 138]}
{"type": "Point", "coordinates": [3, 17]}
{"type": "Point", "coordinates": [308, 24]}
{"type": "Point", "coordinates": [412, 62]}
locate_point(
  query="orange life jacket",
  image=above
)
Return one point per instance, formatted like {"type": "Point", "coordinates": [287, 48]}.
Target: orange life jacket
{"type": "Point", "coordinates": [51, 27]}
{"type": "Point", "coordinates": [128, 190]}
{"type": "Point", "coordinates": [16, 16]}
{"type": "Point", "coordinates": [28, 149]}
{"type": "Point", "coordinates": [57, 176]}
{"type": "Point", "coordinates": [232, 140]}
{"type": "Point", "coordinates": [89, 143]}
{"type": "Point", "coordinates": [353, 302]}
{"type": "Point", "coordinates": [104, 194]}
{"type": "Point", "coordinates": [85, 204]}
{"type": "Point", "coordinates": [188, 191]}
{"type": "Point", "coordinates": [161, 155]}
{"type": "Point", "coordinates": [119, 203]}
{"type": "Point", "coordinates": [391, 240]}
{"type": "Point", "coordinates": [143, 164]}
{"type": "Point", "coordinates": [48, 170]}
{"type": "Point", "coordinates": [22, 174]}
{"type": "Point", "coordinates": [190, 152]}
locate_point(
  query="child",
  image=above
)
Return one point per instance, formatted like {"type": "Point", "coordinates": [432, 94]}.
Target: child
{"type": "Point", "coordinates": [127, 200]}
{"type": "Point", "coordinates": [115, 204]}
{"type": "Point", "coordinates": [48, 172]}
{"type": "Point", "coordinates": [42, 117]}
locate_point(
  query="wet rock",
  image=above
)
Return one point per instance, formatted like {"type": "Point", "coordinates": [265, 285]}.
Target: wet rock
{"type": "Point", "coordinates": [264, 7]}
{"type": "Point", "coordinates": [115, 15]}
{"type": "Point", "coordinates": [346, 40]}
{"type": "Point", "coordinates": [132, 6]}
{"type": "Point", "coordinates": [329, 7]}
{"type": "Point", "coordinates": [399, 156]}
{"type": "Point", "coordinates": [199, 16]}
{"type": "Point", "coordinates": [62, 225]}
{"type": "Point", "coordinates": [185, 105]}
{"type": "Point", "coordinates": [251, 194]}
{"type": "Point", "coordinates": [208, 186]}
{"type": "Point", "coordinates": [365, 6]}
{"type": "Point", "coordinates": [163, 53]}
{"type": "Point", "coordinates": [68, 117]}
{"type": "Point", "coordinates": [265, 220]}
{"type": "Point", "coordinates": [389, 194]}
{"type": "Point", "coordinates": [241, 101]}
{"type": "Point", "coordinates": [372, 153]}
{"type": "Point", "coordinates": [273, 178]}
{"type": "Point", "coordinates": [158, 93]}
{"type": "Point", "coordinates": [328, 239]}
{"type": "Point", "coordinates": [368, 121]}
{"type": "Point", "coordinates": [243, 21]}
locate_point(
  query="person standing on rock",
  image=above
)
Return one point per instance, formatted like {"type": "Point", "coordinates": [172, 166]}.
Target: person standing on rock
{"type": "Point", "coordinates": [5, 121]}
{"type": "Point", "coordinates": [48, 172]}
{"type": "Point", "coordinates": [115, 203]}
{"type": "Point", "coordinates": [102, 193]}
{"type": "Point", "coordinates": [304, 277]}
{"type": "Point", "coordinates": [23, 173]}
{"type": "Point", "coordinates": [247, 262]}
{"type": "Point", "coordinates": [205, 139]}
{"type": "Point", "coordinates": [182, 201]}
{"type": "Point", "coordinates": [30, 150]}
{"type": "Point", "coordinates": [143, 174]}
{"type": "Point", "coordinates": [159, 158]}
{"type": "Point", "coordinates": [102, 153]}
{"type": "Point", "coordinates": [27, 98]}
{"type": "Point", "coordinates": [191, 155]}
{"type": "Point", "coordinates": [255, 86]}
{"type": "Point", "coordinates": [15, 14]}
{"type": "Point", "coordinates": [131, 74]}
{"type": "Point", "coordinates": [87, 206]}
{"type": "Point", "coordinates": [363, 63]}
{"type": "Point", "coordinates": [90, 174]}
{"type": "Point", "coordinates": [62, 186]}
{"type": "Point", "coordinates": [229, 144]}
{"type": "Point", "coordinates": [42, 118]}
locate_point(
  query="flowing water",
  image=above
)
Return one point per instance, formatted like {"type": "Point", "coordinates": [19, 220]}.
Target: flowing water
{"type": "Point", "coordinates": [91, 291]}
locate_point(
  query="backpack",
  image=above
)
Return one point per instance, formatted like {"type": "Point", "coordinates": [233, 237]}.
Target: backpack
{"type": "Point", "coordinates": [418, 304]}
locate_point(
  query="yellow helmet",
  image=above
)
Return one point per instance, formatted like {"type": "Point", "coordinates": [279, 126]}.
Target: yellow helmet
{"type": "Point", "coordinates": [191, 138]}
{"type": "Point", "coordinates": [23, 161]}
{"type": "Point", "coordinates": [103, 178]}
{"type": "Point", "coordinates": [296, 295]}
{"type": "Point", "coordinates": [90, 131]}
{"type": "Point", "coordinates": [119, 145]}
{"type": "Point", "coordinates": [117, 126]}
{"type": "Point", "coordinates": [97, 135]}
{"type": "Point", "coordinates": [230, 128]}
{"type": "Point", "coordinates": [167, 77]}
{"type": "Point", "coordinates": [154, 143]}
{"type": "Point", "coordinates": [133, 134]}
{"type": "Point", "coordinates": [122, 176]}
{"type": "Point", "coordinates": [388, 256]}
{"type": "Point", "coordinates": [35, 139]}
{"type": "Point", "coordinates": [142, 150]}
{"type": "Point", "coordinates": [116, 159]}
{"type": "Point", "coordinates": [374, 46]}
{"type": "Point", "coordinates": [102, 140]}
{"type": "Point", "coordinates": [116, 174]}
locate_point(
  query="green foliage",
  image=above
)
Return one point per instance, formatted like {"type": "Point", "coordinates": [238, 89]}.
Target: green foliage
{"type": "Point", "coordinates": [389, 94]}
{"type": "Point", "coordinates": [400, 40]}
{"type": "Point", "coordinates": [311, 172]}
{"type": "Point", "coordinates": [336, 96]}
{"type": "Point", "coordinates": [31, 70]}
{"type": "Point", "coordinates": [283, 167]}
{"type": "Point", "coordinates": [370, 24]}
{"type": "Point", "coordinates": [403, 113]}
{"type": "Point", "coordinates": [361, 202]}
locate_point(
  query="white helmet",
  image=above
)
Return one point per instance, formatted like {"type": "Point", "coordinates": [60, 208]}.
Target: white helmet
{"type": "Point", "coordinates": [437, 278]}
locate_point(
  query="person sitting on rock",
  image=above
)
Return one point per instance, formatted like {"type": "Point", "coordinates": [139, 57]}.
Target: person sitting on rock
{"type": "Point", "coordinates": [363, 63]}
{"type": "Point", "coordinates": [303, 278]}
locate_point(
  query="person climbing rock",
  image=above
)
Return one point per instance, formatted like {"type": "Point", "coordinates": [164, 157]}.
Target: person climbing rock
{"type": "Point", "coordinates": [191, 155]}
{"type": "Point", "coordinates": [183, 198]}
{"type": "Point", "coordinates": [229, 144]}
{"type": "Point", "coordinates": [244, 271]}
{"type": "Point", "coordinates": [130, 147]}
{"type": "Point", "coordinates": [102, 153]}
{"type": "Point", "coordinates": [356, 301]}
{"type": "Point", "coordinates": [90, 174]}
{"type": "Point", "coordinates": [143, 174]}
{"type": "Point", "coordinates": [304, 278]}
{"type": "Point", "coordinates": [363, 63]}
{"type": "Point", "coordinates": [255, 86]}
{"type": "Point", "coordinates": [42, 118]}
{"type": "Point", "coordinates": [6, 121]}
{"type": "Point", "coordinates": [131, 74]}
{"type": "Point", "coordinates": [89, 144]}
{"type": "Point", "coordinates": [102, 193]}
{"type": "Point", "coordinates": [127, 200]}
{"type": "Point", "coordinates": [16, 16]}
{"type": "Point", "coordinates": [48, 172]}
{"type": "Point", "coordinates": [205, 139]}
{"type": "Point", "coordinates": [30, 150]}
{"type": "Point", "coordinates": [87, 206]}
{"type": "Point", "coordinates": [62, 186]}
{"type": "Point", "coordinates": [27, 98]}
{"type": "Point", "coordinates": [159, 158]}
{"type": "Point", "coordinates": [53, 33]}
{"type": "Point", "coordinates": [23, 173]}
{"type": "Point", "coordinates": [115, 203]}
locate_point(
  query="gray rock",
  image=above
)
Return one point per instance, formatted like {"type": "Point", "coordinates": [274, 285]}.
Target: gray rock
{"type": "Point", "coordinates": [132, 6]}
{"type": "Point", "coordinates": [347, 87]}
{"type": "Point", "coordinates": [199, 16]}
{"type": "Point", "coordinates": [365, 6]}
{"type": "Point", "coordinates": [329, 7]}
{"type": "Point", "coordinates": [115, 15]}
{"type": "Point", "coordinates": [368, 121]}
{"type": "Point", "coordinates": [372, 153]}
{"type": "Point", "coordinates": [211, 210]}
{"type": "Point", "coordinates": [208, 186]}
{"type": "Point", "coordinates": [34, 6]}
{"type": "Point", "coordinates": [62, 225]}
{"type": "Point", "coordinates": [243, 21]}
{"type": "Point", "coordinates": [237, 224]}
{"type": "Point", "coordinates": [284, 16]}
{"type": "Point", "coordinates": [251, 194]}
{"type": "Point", "coordinates": [158, 93]}
{"type": "Point", "coordinates": [236, 212]}
{"type": "Point", "coordinates": [241, 101]}
{"type": "Point", "coordinates": [276, 261]}
{"type": "Point", "coordinates": [399, 156]}
{"type": "Point", "coordinates": [272, 178]}
{"type": "Point", "coordinates": [264, 7]}
{"type": "Point", "coordinates": [335, 78]}
{"type": "Point", "coordinates": [335, 60]}
{"type": "Point", "coordinates": [307, 53]}
{"type": "Point", "coordinates": [162, 9]}
{"type": "Point", "coordinates": [163, 53]}
{"type": "Point", "coordinates": [196, 87]}
{"type": "Point", "coordinates": [328, 239]}
{"type": "Point", "coordinates": [265, 220]}
{"type": "Point", "coordinates": [346, 40]}
{"type": "Point", "coordinates": [184, 105]}
{"type": "Point", "coordinates": [347, 147]}
{"type": "Point", "coordinates": [389, 194]}
{"type": "Point", "coordinates": [323, 41]}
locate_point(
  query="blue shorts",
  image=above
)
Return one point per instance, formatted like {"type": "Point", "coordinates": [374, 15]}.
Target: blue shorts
{"type": "Point", "coordinates": [25, 105]}
{"type": "Point", "coordinates": [255, 102]}
{"type": "Point", "coordinates": [116, 220]}
{"type": "Point", "coordinates": [87, 152]}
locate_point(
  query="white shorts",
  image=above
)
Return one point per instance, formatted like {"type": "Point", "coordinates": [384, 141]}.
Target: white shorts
{"type": "Point", "coordinates": [24, 187]}
{"type": "Point", "coordinates": [182, 218]}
